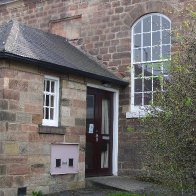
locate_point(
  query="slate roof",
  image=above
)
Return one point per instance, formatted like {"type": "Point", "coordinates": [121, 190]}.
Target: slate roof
{"type": "Point", "coordinates": [20, 42]}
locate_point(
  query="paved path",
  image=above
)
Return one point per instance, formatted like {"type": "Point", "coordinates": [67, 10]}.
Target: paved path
{"type": "Point", "coordinates": [101, 186]}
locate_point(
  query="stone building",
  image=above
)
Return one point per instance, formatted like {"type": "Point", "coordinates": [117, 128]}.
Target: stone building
{"type": "Point", "coordinates": [63, 115]}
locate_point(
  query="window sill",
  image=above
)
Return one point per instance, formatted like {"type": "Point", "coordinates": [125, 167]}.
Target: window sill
{"type": "Point", "coordinates": [51, 130]}
{"type": "Point", "coordinates": [136, 114]}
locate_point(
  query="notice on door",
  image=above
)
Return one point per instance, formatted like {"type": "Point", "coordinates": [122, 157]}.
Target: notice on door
{"type": "Point", "coordinates": [91, 128]}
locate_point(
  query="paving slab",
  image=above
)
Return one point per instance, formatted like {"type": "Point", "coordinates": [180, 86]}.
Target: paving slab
{"type": "Point", "coordinates": [127, 184]}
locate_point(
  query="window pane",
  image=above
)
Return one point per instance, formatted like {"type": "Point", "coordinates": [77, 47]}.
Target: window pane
{"type": "Point", "coordinates": [138, 85]}
{"type": "Point", "coordinates": [137, 55]}
{"type": "Point", "coordinates": [51, 113]}
{"type": "Point", "coordinates": [156, 39]}
{"type": "Point", "coordinates": [44, 100]}
{"type": "Point", "coordinates": [148, 84]}
{"type": "Point", "coordinates": [48, 86]}
{"type": "Point", "coordinates": [44, 85]}
{"type": "Point", "coordinates": [138, 70]}
{"type": "Point", "coordinates": [155, 23]}
{"type": "Point", "coordinates": [146, 54]}
{"type": "Point", "coordinates": [156, 84]}
{"type": "Point", "coordinates": [148, 69]}
{"type": "Point", "coordinates": [52, 101]}
{"type": "Point", "coordinates": [165, 37]}
{"type": "Point", "coordinates": [147, 39]}
{"type": "Point", "coordinates": [147, 98]}
{"type": "Point", "coordinates": [137, 41]}
{"type": "Point", "coordinates": [157, 67]}
{"type": "Point", "coordinates": [44, 113]}
{"type": "Point", "coordinates": [156, 53]}
{"type": "Point", "coordinates": [137, 28]}
{"type": "Point", "coordinates": [52, 86]}
{"type": "Point", "coordinates": [90, 106]}
{"type": "Point", "coordinates": [166, 52]}
{"type": "Point", "coordinates": [47, 113]}
{"type": "Point", "coordinates": [47, 100]}
{"type": "Point", "coordinates": [147, 24]}
{"type": "Point", "coordinates": [138, 99]}
{"type": "Point", "coordinates": [165, 23]}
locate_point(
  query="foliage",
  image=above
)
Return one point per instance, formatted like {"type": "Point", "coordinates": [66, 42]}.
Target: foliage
{"type": "Point", "coordinates": [35, 193]}
{"type": "Point", "coordinates": [123, 194]}
{"type": "Point", "coordinates": [171, 120]}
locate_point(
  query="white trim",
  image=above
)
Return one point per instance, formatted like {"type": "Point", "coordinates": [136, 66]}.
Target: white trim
{"type": "Point", "coordinates": [115, 124]}
{"type": "Point", "coordinates": [54, 122]}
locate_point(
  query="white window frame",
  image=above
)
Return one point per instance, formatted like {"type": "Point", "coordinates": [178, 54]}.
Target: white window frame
{"type": "Point", "coordinates": [139, 111]}
{"type": "Point", "coordinates": [54, 122]}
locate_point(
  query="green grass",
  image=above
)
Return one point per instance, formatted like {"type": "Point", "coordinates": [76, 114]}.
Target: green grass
{"type": "Point", "coordinates": [123, 194]}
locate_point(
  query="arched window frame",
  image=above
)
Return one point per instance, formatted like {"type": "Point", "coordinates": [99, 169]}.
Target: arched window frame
{"type": "Point", "coordinates": [138, 109]}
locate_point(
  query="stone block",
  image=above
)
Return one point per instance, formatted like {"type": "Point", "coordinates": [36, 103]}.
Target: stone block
{"type": "Point", "coordinates": [38, 168]}
{"type": "Point", "coordinates": [76, 85]}
{"type": "Point", "coordinates": [39, 148]}
{"type": "Point", "coordinates": [19, 181]}
{"type": "Point", "coordinates": [37, 118]}
{"type": "Point", "coordinates": [39, 159]}
{"type": "Point", "coordinates": [65, 102]}
{"type": "Point", "coordinates": [121, 55]}
{"type": "Point", "coordinates": [6, 181]}
{"type": "Point", "coordinates": [24, 148]}
{"type": "Point", "coordinates": [18, 85]}
{"type": "Point", "coordinates": [7, 116]}
{"type": "Point", "coordinates": [31, 98]}
{"type": "Point", "coordinates": [69, 93]}
{"type": "Point", "coordinates": [3, 104]}
{"type": "Point", "coordinates": [78, 112]}
{"type": "Point", "coordinates": [33, 109]}
{"type": "Point", "coordinates": [23, 117]}
{"type": "Point", "coordinates": [11, 149]}
{"type": "Point", "coordinates": [78, 104]}
{"type": "Point", "coordinates": [13, 127]}
{"type": "Point", "coordinates": [68, 121]}
{"type": "Point", "coordinates": [15, 136]}
{"type": "Point", "coordinates": [65, 112]}
{"type": "Point", "coordinates": [80, 122]}
{"type": "Point", "coordinates": [18, 169]}
{"type": "Point", "coordinates": [15, 105]}
{"type": "Point", "coordinates": [3, 126]}
{"type": "Point", "coordinates": [2, 170]}
{"type": "Point", "coordinates": [13, 159]}
{"type": "Point", "coordinates": [35, 87]}
{"type": "Point", "coordinates": [29, 128]}
{"type": "Point", "coordinates": [11, 94]}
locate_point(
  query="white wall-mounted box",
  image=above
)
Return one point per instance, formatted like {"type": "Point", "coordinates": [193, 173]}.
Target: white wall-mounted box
{"type": "Point", "coordinates": [64, 158]}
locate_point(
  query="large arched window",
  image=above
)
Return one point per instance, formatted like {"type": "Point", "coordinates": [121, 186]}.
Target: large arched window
{"type": "Point", "coordinates": [151, 51]}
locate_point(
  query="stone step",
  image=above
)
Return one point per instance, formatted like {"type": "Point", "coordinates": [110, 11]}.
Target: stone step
{"type": "Point", "coordinates": [124, 183]}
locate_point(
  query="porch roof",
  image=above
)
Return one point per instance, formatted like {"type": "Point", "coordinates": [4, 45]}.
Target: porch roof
{"type": "Point", "coordinates": [23, 43]}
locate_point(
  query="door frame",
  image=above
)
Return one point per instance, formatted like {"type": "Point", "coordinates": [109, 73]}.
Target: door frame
{"type": "Point", "coordinates": [115, 124]}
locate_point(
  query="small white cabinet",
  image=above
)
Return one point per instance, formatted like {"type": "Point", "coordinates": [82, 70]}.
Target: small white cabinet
{"type": "Point", "coordinates": [64, 158]}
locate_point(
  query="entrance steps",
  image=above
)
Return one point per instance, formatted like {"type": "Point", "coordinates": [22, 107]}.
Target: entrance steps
{"type": "Point", "coordinates": [127, 184]}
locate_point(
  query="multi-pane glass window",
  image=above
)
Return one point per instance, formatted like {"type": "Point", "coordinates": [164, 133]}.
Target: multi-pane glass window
{"type": "Point", "coordinates": [50, 101]}
{"type": "Point", "coordinates": [151, 51]}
